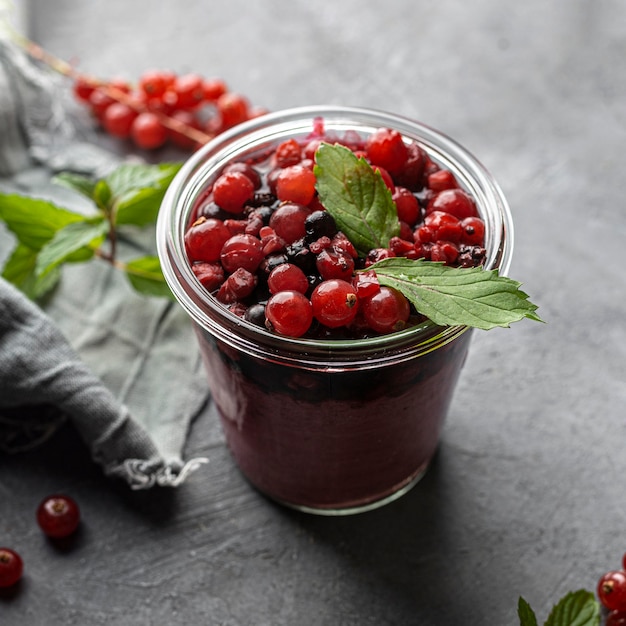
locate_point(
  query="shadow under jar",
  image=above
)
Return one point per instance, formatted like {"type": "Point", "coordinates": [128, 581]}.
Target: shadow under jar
{"type": "Point", "coordinates": [332, 426]}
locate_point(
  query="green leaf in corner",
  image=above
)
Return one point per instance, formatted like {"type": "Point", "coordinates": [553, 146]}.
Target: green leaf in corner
{"type": "Point", "coordinates": [525, 613]}
{"type": "Point", "coordinates": [137, 191]}
{"type": "Point", "coordinates": [75, 242]}
{"type": "Point", "coordinates": [34, 221]}
{"type": "Point", "coordinates": [451, 296]}
{"type": "Point", "coordinates": [19, 269]}
{"type": "Point", "coordinates": [84, 185]}
{"type": "Point", "coordinates": [356, 196]}
{"type": "Point", "coordinates": [146, 277]}
{"type": "Point", "coordinates": [578, 608]}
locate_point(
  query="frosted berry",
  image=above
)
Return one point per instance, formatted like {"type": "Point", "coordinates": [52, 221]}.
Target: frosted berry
{"type": "Point", "coordinates": [58, 516]}
{"type": "Point", "coordinates": [335, 303]}
{"type": "Point", "coordinates": [612, 590]}
{"type": "Point", "coordinates": [289, 313]}
{"type": "Point", "coordinates": [11, 567]}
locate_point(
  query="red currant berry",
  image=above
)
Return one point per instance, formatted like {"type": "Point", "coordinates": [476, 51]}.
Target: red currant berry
{"type": "Point", "coordinates": [154, 83]}
{"type": "Point", "coordinates": [387, 149]}
{"type": "Point", "coordinates": [287, 277]}
{"type": "Point", "coordinates": [83, 88]}
{"type": "Point", "coordinates": [289, 313]}
{"type": "Point", "coordinates": [189, 90]}
{"type": "Point", "coordinates": [288, 221]}
{"type": "Point", "coordinates": [288, 153]}
{"type": "Point", "coordinates": [118, 119]}
{"type": "Point", "coordinates": [407, 205]}
{"type": "Point", "coordinates": [185, 120]}
{"type": "Point", "coordinates": [99, 102]}
{"type": "Point", "coordinates": [443, 226]}
{"type": "Point", "coordinates": [473, 231]}
{"type": "Point", "coordinates": [232, 108]}
{"type": "Point", "coordinates": [205, 238]}
{"type": "Point", "coordinates": [616, 618]}
{"type": "Point", "coordinates": [442, 179]}
{"type": "Point", "coordinates": [58, 516]}
{"type": "Point", "coordinates": [211, 275]}
{"type": "Point", "coordinates": [612, 590]}
{"type": "Point", "coordinates": [333, 263]}
{"type": "Point", "coordinates": [366, 284]}
{"type": "Point", "coordinates": [232, 190]}
{"type": "Point", "coordinates": [296, 184]}
{"type": "Point", "coordinates": [242, 251]}
{"type": "Point", "coordinates": [11, 567]}
{"type": "Point", "coordinates": [386, 311]}
{"type": "Point", "coordinates": [147, 131]}
{"type": "Point", "coordinates": [453, 201]}
{"type": "Point", "coordinates": [245, 169]}
{"type": "Point", "coordinates": [335, 303]}
{"type": "Point", "coordinates": [213, 88]}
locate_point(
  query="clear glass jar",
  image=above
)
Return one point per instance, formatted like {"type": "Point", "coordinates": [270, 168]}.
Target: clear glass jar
{"type": "Point", "coordinates": [326, 426]}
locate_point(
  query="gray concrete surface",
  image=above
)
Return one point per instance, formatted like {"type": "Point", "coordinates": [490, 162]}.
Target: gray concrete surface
{"type": "Point", "coordinates": [526, 496]}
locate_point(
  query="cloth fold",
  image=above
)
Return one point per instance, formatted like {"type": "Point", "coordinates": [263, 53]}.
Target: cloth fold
{"type": "Point", "coordinates": [123, 368]}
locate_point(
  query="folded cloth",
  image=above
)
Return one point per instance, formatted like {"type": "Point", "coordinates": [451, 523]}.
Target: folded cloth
{"type": "Point", "coordinates": [123, 368]}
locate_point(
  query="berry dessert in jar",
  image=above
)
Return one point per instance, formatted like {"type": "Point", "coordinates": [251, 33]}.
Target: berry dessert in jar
{"type": "Point", "coordinates": [303, 245]}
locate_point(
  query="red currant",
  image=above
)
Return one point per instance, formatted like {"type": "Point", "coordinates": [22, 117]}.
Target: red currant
{"type": "Point", "coordinates": [386, 311]}
{"type": "Point", "coordinates": [83, 88]}
{"type": "Point", "coordinates": [289, 313]}
{"type": "Point", "coordinates": [11, 567]}
{"type": "Point", "coordinates": [296, 184]}
{"type": "Point", "coordinates": [189, 90]}
{"type": "Point", "coordinates": [233, 109]}
{"type": "Point", "coordinates": [442, 179]}
{"type": "Point", "coordinates": [445, 252]}
{"type": "Point", "coordinates": [288, 221]}
{"type": "Point", "coordinates": [335, 303]}
{"type": "Point", "coordinates": [287, 277]}
{"type": "Point", "coordinates": [239, 285]}
{"type": "Point", "coordinates": [154, 83]}
{"type": "Point", "coordinates": [242, 251]}
{"type": "Point", "coordinates": [205, 238]}
{"type": "Point", "coordinates": [616, 618]}
{"type": "Point", "coordinates": [211, 275]}
{"type": "Point", "coordinates": [407, 206]}
{"type": "Point", "coordinates": [99, 102]}
{"type": "Point", "coordinates": [473, 231]}
{"type": "Point", "coordinates": [213, 88]}
{"type": "Point", "coordinates": [58, 516]}
{"type": "Point", "coordinates": [147, 131]}
{"type": "Point", "coordinates": [612, 590]}
{"type": "Point", "coordinates": [333, 263]}
{"type": "Point", "coordinates": [288, 153]}
{"type": "Point", "coordinates": [387, 149]}
{"type": "Point", "coordinates": [232, 190]}
{"type": "Point", "coordinates": [443, 226]}
{"type": "Point", "coordinates": [118, 119]}
{"type": "Point", "coordinates": [411, 174]}
{"type": "Point", "coordinates": [453, 201]}
{"type": "Point", "coordinates": [186, 120]}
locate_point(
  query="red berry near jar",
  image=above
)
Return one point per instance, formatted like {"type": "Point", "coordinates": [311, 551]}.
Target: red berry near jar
{"type": "Point", "coordinates": [288, 221]}
{"type": "Point", "coordinates": [407, 205]}
{"type": "Point", "coordinates": [386, 311]}
{"type": "Point", "coordinates": [11, 567]}
{"type": "Point", "coordinates": [118, 119]}
{"type": "Point", "coordinates": [58, 516]}
{"type": "Point", "coordinates": [454, 201]}
{"type": "Point", "coordinates": [335, 303]}
{"type": "Point", "coordinates": [147, 131]}
{"type": "Point", "coordinates": [287, 277]}
{"type": "Point", "coordinates": [205, 238]}
{"type": "Point", "coordinates": [296, 184]}
{"type": "Point", "coordinates": [289, 313]}
{"type": "Point", "coordinates": [387, 149]}
{"type": "Point", "coordinates": [611, 590]}
{"type": "Point", "coordinates": [473, 231]}
{"type": "Point", "coordinates": [242, 251]}
{"type": "Point", "coordinates": [232, 190]}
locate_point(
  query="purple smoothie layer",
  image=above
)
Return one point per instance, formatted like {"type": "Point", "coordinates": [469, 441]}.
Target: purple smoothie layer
{"type": "Point", "coordinates": [332, 440]}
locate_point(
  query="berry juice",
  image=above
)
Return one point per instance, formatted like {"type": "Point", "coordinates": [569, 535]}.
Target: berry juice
{"type": "Point", "coordinates": [328, 412]}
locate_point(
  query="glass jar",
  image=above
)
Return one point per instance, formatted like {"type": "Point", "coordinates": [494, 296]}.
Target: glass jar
{"type": "Point", "coordinates": [326, 426]}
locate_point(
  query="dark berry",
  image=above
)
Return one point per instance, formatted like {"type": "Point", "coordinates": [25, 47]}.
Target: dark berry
{"type": "Point", "coordinates": [255, 314]}
{"type": "Point", "coordinates": [58, 516]}
{"type": "Point", "coordinates": [319, 224]}
{"type": "Point", "coordinates": [11, 567]}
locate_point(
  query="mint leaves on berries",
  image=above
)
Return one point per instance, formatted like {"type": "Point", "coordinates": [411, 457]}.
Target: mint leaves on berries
{"type": "Point", "coordinates": [578, 608]}
{"type": "Point", "coordinates": [49, 236]}
{"type": "Point", "coordinates": [451, 296]}
{"type": "Point", "coordinates": [361, 204]}
{"type": "Point", "coordinates": [356, 196]}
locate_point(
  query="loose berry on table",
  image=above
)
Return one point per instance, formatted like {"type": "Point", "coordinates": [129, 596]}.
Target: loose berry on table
{"type": "Point", "coordinates": [58, 516]}
{"type": "Point", "coordinates": [11, 567]}
{"type": "Point", "coordinates": [612, 590]}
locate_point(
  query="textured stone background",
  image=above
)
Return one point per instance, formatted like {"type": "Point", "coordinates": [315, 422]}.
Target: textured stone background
{"type": "Point", "coordinates": [526, 496]}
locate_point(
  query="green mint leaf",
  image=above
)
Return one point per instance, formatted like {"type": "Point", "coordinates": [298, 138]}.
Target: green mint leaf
{"type": "Point", "coordinates": [34, 221]}
{"type": "Point", "coordinates": [578, 608]}
{"type": "Point", "coordinates": [526, 615]}
{"type": "Point", "coordinates": [146, 277]}
{"type": "Point", "coordinates": [356, 196]}
{"type": "Point", "coordinates": [75, 242]}
{"type": "Point", "coordinates": [76, 182]}
{"type": "Point", "coordinates": [452, 296]}
{"type": "Point", "coordinates": [19, 269]}
{"type": "Point", "coordinates": [137, 191]}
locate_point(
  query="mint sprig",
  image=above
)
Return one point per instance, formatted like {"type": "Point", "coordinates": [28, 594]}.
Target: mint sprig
{"type": "Point", "coordinates": [356, 196]}
{"type": "Point", "coordinates": [577, 608]}
{"type": "Point", "coordinates": [451, 296]}
{"type": "Point", "coordinates": [49, 236]}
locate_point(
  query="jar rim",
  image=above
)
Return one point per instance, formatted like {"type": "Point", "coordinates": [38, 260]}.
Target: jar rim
{"type": "Point", "coordinates": [193, 177]}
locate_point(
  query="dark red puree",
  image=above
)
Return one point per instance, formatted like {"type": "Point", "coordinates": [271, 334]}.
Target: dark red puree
{"type": "Point", "coordinates": [262, 243]}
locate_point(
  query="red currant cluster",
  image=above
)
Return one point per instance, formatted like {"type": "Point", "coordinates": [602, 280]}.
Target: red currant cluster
{"type": "Point", "coordinates": [184, 109]}
{"type": "Point", "coordinates": [58, 516]}
{"type": "Point", "coordinates": [262, 242]}
{"type": "Point", "coordinates": [612, 595]}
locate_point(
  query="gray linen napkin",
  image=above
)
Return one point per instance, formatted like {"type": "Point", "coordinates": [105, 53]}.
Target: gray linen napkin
{"type": "Point", "coordinates": [124, 368]}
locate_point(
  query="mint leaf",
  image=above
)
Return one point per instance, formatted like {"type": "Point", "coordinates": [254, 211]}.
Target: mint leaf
{"type": "Point", "coordinates": [75, 242]}
{"type": "Point", "coordinates": [137, 191]}
{"type": "Point", "coordinates": [146, 277]}
{"type": "Point", "coordinates": [526, 615]}
{"type": "Point", "coordinates": [578, 608]}
{"type": "Point", "coordinates": [76, 182]}
{"type": "Point", "coordinates": [356, 196]}
{"type": "Point", "coordinates": [34, 221]}
{"type": "Point", "coordinates": [19, 269]}
{"type": "Point", "coordinates": [452, 296]}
